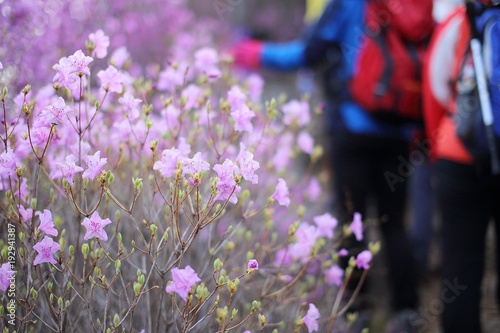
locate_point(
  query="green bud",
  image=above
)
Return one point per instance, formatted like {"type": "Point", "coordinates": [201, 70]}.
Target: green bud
{"type": "Point", "coordinates": [118, 265]}
{"type": "Point", "coordinates": [66, 304]}
{"type": "Point", "coordinates": [34, 293]}
{"type": "Point", "coordinates": [317, 153]}
{"type": "Point", "coordinates": [374, 247]}
{"type": "Point", "coordinates": [26, 89]}
{"type": "Point", "coordinates": [301, 211]}
{"type": "Point", "coordinates": [116, 320]}
{"type": "Point", "coordinates": [218, 264]}
{"type": "Point", "coordinates": [119, 237]}
{"type": "Point", "coordinates": [250, 255]}
{"type": "Point", "coordinates": [153, 228]}
{"type": "Point", "coordinates": [262, 320]}
{"type": "Point", "coordinates": [256, 306]}
{"type": "Point", "coordinates": [1, 315]}
{"type": "Point", "coordinates": [141, 279]}
{"type": "Point", "coordinates": [234, 313]}
{"type": "Point", "coordinates": [137, 288]}
{"type": "Point", "coordinates": [33, 203]}
{"type": "Point", "coordinates": [231, 286]}
{"type": "Point", "coordinates": [5, 91]}
{"type": "Point", "coordinates": [69, 285]}
{"type": "Point", "coordinates": [51, 298]}
{"type": "Point", "coordinates": [49, 286]}
{"type": "Point", "coordinates": [21, 236]}
{"type": "Point", "coordinates": [153, 144]}
{"type": "Point", "coordinates": [85, 249]}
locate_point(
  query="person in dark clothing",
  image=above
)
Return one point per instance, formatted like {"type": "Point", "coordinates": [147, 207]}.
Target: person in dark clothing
{"type": "Point", "coordinates": [365, 150]}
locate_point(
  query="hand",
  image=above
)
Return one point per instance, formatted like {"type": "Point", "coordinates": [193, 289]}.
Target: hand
{"type": "Point", "coordinates": [247, 53]}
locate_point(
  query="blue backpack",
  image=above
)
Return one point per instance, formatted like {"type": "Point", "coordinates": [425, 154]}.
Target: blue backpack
{"type": "Point", "coordinates": [478, 89]}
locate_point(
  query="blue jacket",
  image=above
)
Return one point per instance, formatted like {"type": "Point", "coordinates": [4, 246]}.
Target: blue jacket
{"type": "Point", "coordinates": [339, 30]}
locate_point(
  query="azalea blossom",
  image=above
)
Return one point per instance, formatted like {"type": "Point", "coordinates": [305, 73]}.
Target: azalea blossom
{"type": "Point", "coordinates": [119, 57]}
{"type": "Point", "coordinates": [247, 165]}
{"type": "Point", "coordinates": [206, 61]}
{"type": "Point", "coordinates": [253, 264]}
{"type": "Point", "coordinates": [46, 249]}
{"type": "Point", "coordinates": [227, 189]}
{"type": "Point", "coordinates": [191, 94]}
{"type": "Point", "coordinates": [306, 236]}
{"type": "Point", "coordinates": [281, 193]}
{"type": "Point", "coordinates": [55, 113]}
{"type": "Point", "coordinates": [171, 78]}
{"type": "Point", "coordinates": [168, 162]}
{"type": "Point", "coordinates": [95, 165]}
{"type": "Point", "coordinates": [8, 163]}
{"type": "Point", "coordinates": [311, 318]}
{"type": "Point", "coordinates": [296, 111]}
{"type": "Point", "coordinates": [194, 165]}
{"type": "Point", "coordinates": [6, 275]}
{"type": "Point", "coordinates": [242, 117]}
{"type": "Point", "coordinates": [363, 260]}
{"type": "Point", "coordinates": [334, 275]}
{"type": "Point", "coordinates": [66, 170]}
{"type": "Point", "coordinates": [313, 189]}
{"type": "Point", "coordinates": [26, 214]}
{"type": "Point", "coordinates": [326, 224]}
{"type": "Point", "coordinates": [79, 63]}
{"type": "Point", "coordinates": [131, 105]}
{"type": "Point", "coordinates": [236, 98]}
{"type": "Point", "coordinates": [95, 227]}
{"type": "Point", "coordinates": [182, 281]}
{"type": "Point", "coordinates": [305, 142]}
{"type": "Point", "coordinates": [356, 227]}
{"type": "Point", "coordinates": [101, 42]}
{"type": "Point", "coordinates": [46, 223]}
{"type": "Point", "coordinates": [255, 85]}
{"type": "Point", "coordinates": [111, 79]}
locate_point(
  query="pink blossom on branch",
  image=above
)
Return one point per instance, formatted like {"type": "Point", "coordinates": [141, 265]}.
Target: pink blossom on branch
{"type": "Point", "coordinates": [253, 264]}
{"type": "Point", "coordinates": [55, 113]}
{"type": "Point", "coordinates": [46, 223]}
{"type": "Point", "coordinates": [227, 189]}
{"type": "Point", "coordinates": [95, 227]}
{"type": "Point", "coordinates": [281, 193]}
{"type": "Point", "coordinates": [247, 165]}
{"type": "Point", "coordinates": [356, 227]}
{"type": "Point", "coordinates": [334, 275]}
{"type": "Point", "coordinates": [182, 281]}
{"type": "Point", "coordinates": [194, 165]}
{"type": "Point", "coordinates": [363, 260]}
{"type": "Point", "coordinates": [311, 318]}
{"type": "Point", "coordinates": [236, 98]}
{"type": "Point", "coordinates": [6, 275]}
{"type": "Point", "coordinates": [101, 42]}
{"type": "Point", "coordinates": [111, 79]}
{"type": "Point", "coordinates": [242, 117]}
{"type": "Point", "coordinates": [26, 214]}
{"type": "Point", "coordinates": [79, 63]}
{"type": "Point", "coordinates": [46, 249]}
{"type": "Point", "coordinates": [66, 170]}
{"type": "Point", "coordinates": [95, 165]}
{"type": "Point", "coordinates": [326, 224]}
{"type": "Point", "coordinates": [8, 164]}
{"type": "Point", "coordinates": [305, 142]}
{"type": "Point", "coordinates": [168, 162]}
{"type": "Point", "coordinates": [206, 61]}
{"type": "Point", "coordinates": [296, 111]}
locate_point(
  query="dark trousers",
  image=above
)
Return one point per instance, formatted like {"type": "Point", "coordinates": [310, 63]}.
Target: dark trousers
{"type": "Point", "coordinates": [377, 168]}
{"type": "Point", "coordinates": [468, 203]}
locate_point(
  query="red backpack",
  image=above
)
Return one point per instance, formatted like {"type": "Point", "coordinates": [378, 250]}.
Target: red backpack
{"type": "Point", "coordinates": [387, 74]}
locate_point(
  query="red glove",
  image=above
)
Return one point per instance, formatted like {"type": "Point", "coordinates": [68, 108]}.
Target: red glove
{"type": "Point", "coordinates": [247, 54]}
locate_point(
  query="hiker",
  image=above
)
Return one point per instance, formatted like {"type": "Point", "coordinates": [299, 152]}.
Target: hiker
{"type": "Point", "coordinates": [467, 190]}
{"type": "Point", "coordinates": [369, 150]}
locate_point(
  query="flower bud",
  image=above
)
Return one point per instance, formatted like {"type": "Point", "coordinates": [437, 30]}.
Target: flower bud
{"type": "Point", "coordinates": [218, 264]}
{"type": "Point", "coordinates": [85, 249]}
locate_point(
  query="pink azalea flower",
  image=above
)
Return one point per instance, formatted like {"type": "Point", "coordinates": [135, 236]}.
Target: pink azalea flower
{"type": "Point", "coordinates": [95, 227]}
{"type": "Point", "coordinates": [305, 142]}
{"type": "Point", "coordinates": [255, 85]}
{"type": "Point", "coordinates": [171, 78]}
{"type": "Point", "coordinates": [1, 65]}
{"type": "Point", "coordinates": [192, 93]}
{"type": "Point", "coordinates": [79, 63]}
{"type": "Point", "coordinates": [313, 189]}
{"type": "Point", "coordinates": [357, 227]}
{"type": "Point", "coordinates": [95, 165]}
{"type": "Point", "coordinates": [182, 281]}
{"type": "Point", "coordinates": [334, 275]}
{"type": "Point", "coordinates": [296, 111]}
{"type": "Point", "coordinates": [326, 224]}
{"type": "Point", "coordinates": [168, 162]}
{"type": "Point", "coordinates": [111, 79]}
{"type": "Point", "coordinates": [66, 170]}
{"type": "Point", "coordinates": [6, 275]}
{"type": "Point", "coordinates": [236, 98]}
{"type": "Point", "coordinates": [40, 135]}
{"type": "Point", "coordinates": [119, 57]}
{"type": "Point", "coordinates": [281, 193]}
{"type": "Point", "coordinates": [282, 258]}
{"type": "Point", "coordinates": [194, 165]}
{"type": "Point", "coordinates": [171, 115]}
{"type": "Point", "coordinates": [226, 185]}
{"type": "Point", "coordinates": [343, 253]}
{"type": "Point", "coordinates": [311, 318]}
{"type": "Point", "coordinates": [306, 235]}
{"type": "Point", "coordinates": [206, 61]}
{"type": "Point", "coordinates": [101, 42]}
{"type": "Point", "coordinates": [46, 223]}
{"type": "Point", "coordinates": [253, 264]}
{"type": "Point", "coordinates": [131, 105]}
{"type": "Point", "coordinates": [26, 214]}
{"type": "Point", "coordinates": [55, 113]}
{"type": "Point", "coordinates": [8, 164]}
{"type": "Point", "coordinates": [65, 75]}
{"type": "Point", "coordinates": [247, 165]}
{"type": "Point", "coordinates": [46, 249]}
{"type": "Point", "coordinates": [363, 260]}
{"type": "Point", "coordinates": [243, 118]}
